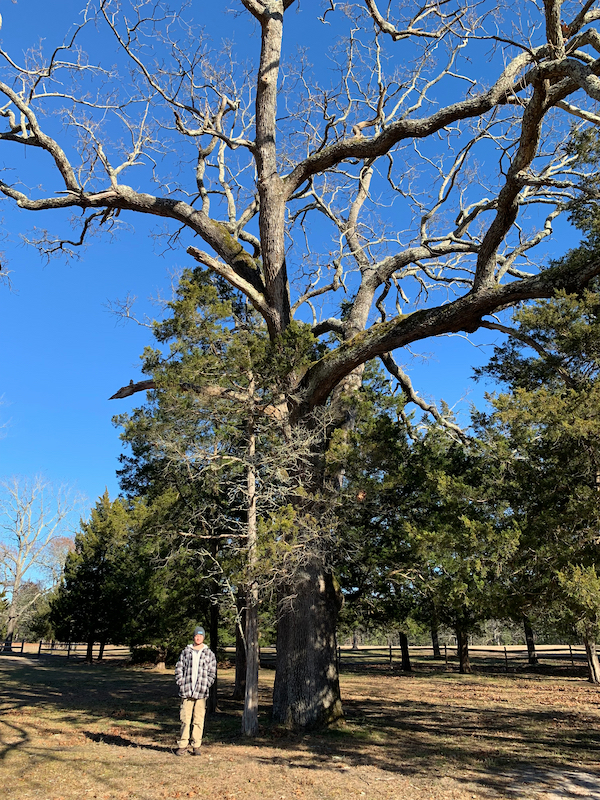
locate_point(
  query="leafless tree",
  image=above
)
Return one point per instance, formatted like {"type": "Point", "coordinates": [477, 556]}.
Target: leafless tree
{"type": "Point", "coordinates": [33, 544]}
{"type": "Point", "coordinates": [402, 199]}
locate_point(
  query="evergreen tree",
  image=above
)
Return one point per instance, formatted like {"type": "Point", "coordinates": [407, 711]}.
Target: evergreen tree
{"type": "Point", "coordinates": [547, 425]}
{"type": "Point", "coordinates": [99, 592]}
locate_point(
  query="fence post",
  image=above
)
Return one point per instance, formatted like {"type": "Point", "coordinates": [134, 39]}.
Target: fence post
{"type": "Point", "coordinates": [446, 654]}
{"type": "Point", "coordinates": [571, 652]}
{"type": "Point", "coordinates": [40, 647]}
{"type": "Point", "coordinates": [391, 657]}
{"type": "Point", "coordinates": [505, 659]}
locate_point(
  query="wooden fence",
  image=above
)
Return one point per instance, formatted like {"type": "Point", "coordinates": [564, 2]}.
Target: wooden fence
{"type": "Point", "coordinates": [499, 656]}
{"type": "Point", "coordinates": [76, 650]}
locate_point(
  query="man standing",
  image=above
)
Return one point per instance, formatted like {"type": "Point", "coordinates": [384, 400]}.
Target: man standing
{"type": "Point", "coordinates": [195, 673]}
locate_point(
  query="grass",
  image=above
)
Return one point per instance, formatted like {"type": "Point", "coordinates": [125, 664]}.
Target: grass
{"type": "Point", "coordinates": [72, 730]}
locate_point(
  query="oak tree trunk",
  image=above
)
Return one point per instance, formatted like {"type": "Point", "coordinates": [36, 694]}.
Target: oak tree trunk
{"type": "Point", "coordinates": [307, 690]}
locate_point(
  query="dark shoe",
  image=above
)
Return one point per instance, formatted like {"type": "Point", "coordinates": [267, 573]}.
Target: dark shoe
{"type": "Point", "coordinates": [197, 751]}
{"type": "Point", "coordinates": [182, 751]}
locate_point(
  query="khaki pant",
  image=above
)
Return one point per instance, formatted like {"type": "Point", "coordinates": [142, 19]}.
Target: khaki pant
{"type": "Point", "coordinates": [191, 715]}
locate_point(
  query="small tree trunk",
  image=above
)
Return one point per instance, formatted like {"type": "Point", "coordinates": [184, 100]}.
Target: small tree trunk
{"type": "Point", "coordinates": [161, 658]}
{"type": "Point", "coordinates": [592, 659]}
{"type": "Point", "coordinates": [355, 639]}
{"type": "Point", "coordinates": [239, 690]}
{"type": "Point", "coordinates": [101, 649]}
{"type": "Point", "coordinates": [250, 715]}
{"type": "Point", "coordinates": [462, 639]}
{"type": "Point", "coordinates": [89, 655]}
{"type": "Point", "coordinates": [437, 653]}
{"type": "Point", "coordinates": [406, 667]}
{"type": "Point", "coordinates": [533, 659]}
{"type": "Point", "coordinates": [213, 697]}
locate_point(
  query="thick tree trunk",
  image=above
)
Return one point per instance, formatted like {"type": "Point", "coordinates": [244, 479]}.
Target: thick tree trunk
{"type": "Point", "coordinates": [592, 658]}
{"type": "Point", "coordinates": [406, 667]}
{"type": "Point", "coordinates": [307, 690]}
{"type": "Point", "coordinates": [10, 630]}
{"type": "Point", "coordinates": [239, 689]}
{"type": "Point", "coordinates": [213, 695]}
{"type": "Point", "coordinates": [435, 642]}
{"type": "Point", "coordinates": [533, 659]}
{"type": "Point", "coordinates": [462, 640]}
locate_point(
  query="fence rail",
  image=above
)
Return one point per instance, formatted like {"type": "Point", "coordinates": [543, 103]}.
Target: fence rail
{"type": "Point", "coordinates": [76, 650]}
{"type": "Point", "coordinates": [390, 655]}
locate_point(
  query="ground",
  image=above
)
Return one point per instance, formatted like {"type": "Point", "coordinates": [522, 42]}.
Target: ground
{"type": "Point", "coordinates": [106, 732]}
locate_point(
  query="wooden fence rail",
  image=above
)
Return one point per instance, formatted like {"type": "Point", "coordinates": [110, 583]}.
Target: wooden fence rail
{"type": "Point", "coordinates": [390, 655]}
{"type": "Point", "coordinates": [79, 650]}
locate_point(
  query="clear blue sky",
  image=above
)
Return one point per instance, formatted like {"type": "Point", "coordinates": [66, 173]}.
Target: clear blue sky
{"type": "Point", "coordinates": [64, 354]}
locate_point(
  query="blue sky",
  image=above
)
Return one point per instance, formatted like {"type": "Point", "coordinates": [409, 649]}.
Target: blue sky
{"type": "Point", "coordinates": [64, 354]}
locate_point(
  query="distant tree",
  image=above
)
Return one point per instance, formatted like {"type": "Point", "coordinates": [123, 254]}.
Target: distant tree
{"type": "Point", "coordinates": [98, 592]}
{"type": "Point", "coordinates": [33, 521]}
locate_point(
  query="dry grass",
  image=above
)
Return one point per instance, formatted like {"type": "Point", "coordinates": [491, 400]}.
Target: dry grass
{"type": "Point", "coordinates": [76, 731]}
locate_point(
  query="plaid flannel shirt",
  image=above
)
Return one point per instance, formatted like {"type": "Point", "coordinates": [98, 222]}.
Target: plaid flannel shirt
{"type": "Point", "coordinates": [207, 672]}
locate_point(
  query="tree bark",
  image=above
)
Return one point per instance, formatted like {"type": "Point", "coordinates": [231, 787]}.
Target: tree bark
{"type": "Point", "coordinates": [250, 715]}
{"type": "Point", "coordinates": [307, 690]}
{"type": "Point", "coordinates": [462, 640]}
{"type": "Point", "coordinates": [101, 648]}
{"type": "Point", "coordinates": [89, 655]}
{"type": "Point", "coordinates": [239, 689]}
{"type": "Point", "coordinates": [529, 638]}
{"type": "Point", "coordinates": [435, 642]}
{"type": "Point", "coordinates": [10, 630]}
{"type": "Point", "coordinates": [406, 666]}
{"type": "Point", "coordinates": [213, 695]}
{"type": "Point", "coordinates": [592, 659]}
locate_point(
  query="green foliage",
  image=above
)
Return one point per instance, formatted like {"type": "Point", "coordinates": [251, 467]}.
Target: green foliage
{"type": "Point", "coordinates": [100, 586]}
{"type": "Point", "coordinates": [547, 426]}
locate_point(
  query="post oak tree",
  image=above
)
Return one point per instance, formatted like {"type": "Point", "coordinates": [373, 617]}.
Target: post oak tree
{"type": "Point", "coordinates": [350, 196]}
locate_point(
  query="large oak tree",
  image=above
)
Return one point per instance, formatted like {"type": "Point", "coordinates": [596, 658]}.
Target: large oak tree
{"type": "Point", "coordinates": [393, 193]}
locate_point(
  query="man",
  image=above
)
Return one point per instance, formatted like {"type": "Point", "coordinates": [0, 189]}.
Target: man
{"type": "Point", "coordinates": [195, 673]}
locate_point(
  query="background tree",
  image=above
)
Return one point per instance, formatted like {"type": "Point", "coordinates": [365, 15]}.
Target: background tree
{"type": "Point", "coordinates": [33, 520]}
{"type": "Point", "coordinates": [387, 156]}
{"type": "Point", "coordinates": [100, 587]}
{"type": "Point", "coordinates": [546, 428]}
